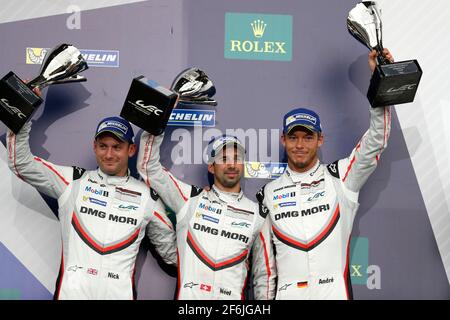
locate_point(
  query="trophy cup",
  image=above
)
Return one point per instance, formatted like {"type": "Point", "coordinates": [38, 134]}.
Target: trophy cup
{"type": "Point", "coordinates": [18, 102]}
{"type": "Point", "coordinates": [391, 83]}
{"type": "Point", "coordinates": [194, 87]}
{"type": "Point", "coordinates": [149, 105]}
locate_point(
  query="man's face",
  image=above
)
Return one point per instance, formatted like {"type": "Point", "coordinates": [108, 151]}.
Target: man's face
{"type": "Point", "coordinates": [301, 147]}
{"type": "Point", "coordinates": [228, 169]}
{"type": "Point", "coordinates": [112, 154]}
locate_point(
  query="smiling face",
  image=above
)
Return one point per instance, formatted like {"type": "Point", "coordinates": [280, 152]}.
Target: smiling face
{"type": "Point", "coordinates": [228, 169]}
{"type": "Point", "coordinates": [301, 147]}
{"type": "Point", "coordinates": [112, 154]}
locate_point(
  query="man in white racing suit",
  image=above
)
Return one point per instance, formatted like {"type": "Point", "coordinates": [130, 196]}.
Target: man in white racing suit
{"type": "Point", "coordinates": [104, 213]}
{"type": "Point", "coordinates": [215, 229]}
{"type": "Point", "coordinates": [312, 205]}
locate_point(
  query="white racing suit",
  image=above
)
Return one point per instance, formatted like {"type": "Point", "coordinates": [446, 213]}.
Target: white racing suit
{"type": "Point", "coordinates": [311, 216]}
{"type": "Point", "coordinates": [215, 234]}
{"type": "Point", "coordinates": [103, 220]}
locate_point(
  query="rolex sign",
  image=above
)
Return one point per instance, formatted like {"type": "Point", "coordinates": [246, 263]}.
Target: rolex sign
{"type": "Point", "coordinates": [258, 36]}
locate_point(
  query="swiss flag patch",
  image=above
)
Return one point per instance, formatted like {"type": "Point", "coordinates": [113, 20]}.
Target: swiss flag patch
{"type": "Point", "coordinates": [205, 287]}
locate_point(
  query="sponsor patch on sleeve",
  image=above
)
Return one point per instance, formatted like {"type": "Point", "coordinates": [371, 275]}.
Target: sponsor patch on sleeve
{"type": "Point", "coordinates": [333, 169]}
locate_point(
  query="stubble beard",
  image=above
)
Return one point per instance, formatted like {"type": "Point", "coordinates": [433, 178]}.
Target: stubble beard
{"type": "Point", "coordinates": [230, 183]}
{"type": "Point", "coordinates": [299, 165]}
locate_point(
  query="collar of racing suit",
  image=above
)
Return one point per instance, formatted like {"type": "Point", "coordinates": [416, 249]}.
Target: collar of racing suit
{"type": "Point", "coordinates": [113, 180]}
{"type": "Point", "coordinates": [227, 197]}
{"type": "Point", "coordinates": [297, 177]}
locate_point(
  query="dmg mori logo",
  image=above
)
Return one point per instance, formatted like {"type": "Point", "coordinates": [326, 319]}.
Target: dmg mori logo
{"type": "Point", "coordinates": [258, 36]}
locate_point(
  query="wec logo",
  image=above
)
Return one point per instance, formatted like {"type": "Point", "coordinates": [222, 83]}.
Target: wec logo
{"type": "Point", "coordinates": [316, 196]}
{"type": "Point", "coordinates": [240, 224]}
{"type": "Point", "coordinates": [406, 87]}
{"type": "Point", "coordinates": [149, 108]}
{"type": "Point", "coordinates": [127, 208]}
{"type": "Point", "coordinates": [11, 109]}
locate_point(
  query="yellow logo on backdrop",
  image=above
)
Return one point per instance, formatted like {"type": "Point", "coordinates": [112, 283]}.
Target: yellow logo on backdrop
{"type": "Point", "coordinates": [256, 170]}
{"type": "Point", "coordinates": [35, 55]}
{"type": "Point", "coordinates": [264, 170]}
{"type": "Point", "coordinates": [258, 27]}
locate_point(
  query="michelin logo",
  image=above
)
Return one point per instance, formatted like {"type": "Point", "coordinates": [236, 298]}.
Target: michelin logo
{"type": "Point", "coordinates": [94, 58]}
{"type": "Point", "coordinates": [301, 116]}
{"type": "Point", "coordinates": [192, 118]}
{"type": "Point", "coordinates": [101, 58]}
{"type": "Point", "coordinates": [209, 218]}
{"type": "Point", "coordinates": [115, 124]}
{"type": "Point", "coordinates": [264, 170]}
{"type": "Point", "coordinates": [95, 201]}
{"type": "Point", "coordinates": [284, 204]}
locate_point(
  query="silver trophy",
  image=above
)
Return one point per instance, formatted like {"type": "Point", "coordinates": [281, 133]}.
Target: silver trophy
{"type": "Point", "coordinates": [18, 102]}
{"type": "Point", "coordinates": [149, 105]}
{"type": "Point", "coordinates": [390, 84]}
{"type": "Point", "coordinates": [193, 86]}
{"type": "Point", "coordinates": [62, 64]}
{"type": "Point", "coordinates": [364, 23]}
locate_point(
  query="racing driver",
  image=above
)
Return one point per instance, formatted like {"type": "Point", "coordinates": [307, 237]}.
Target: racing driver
{"type": "Point", "coordinates": [104, 213]}
{"type": "Point", "coordinates": [312, 205]}
{"type": "Point", "coordinates": [216, 228]}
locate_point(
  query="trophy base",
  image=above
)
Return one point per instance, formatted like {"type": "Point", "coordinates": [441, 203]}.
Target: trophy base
{"type": "Point", "coordinates": [393, 84]}
{"type": "Point", "coordinates": [148, 105]}
{"type": "Point", "coordinates": [17, 102]}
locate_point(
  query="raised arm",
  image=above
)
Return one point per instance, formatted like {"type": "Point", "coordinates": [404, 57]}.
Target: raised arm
{"type": "Point", "coordinates": [364, 157]}
{"type": "Point", "coordinates": [46, 177]}
{"type": "Point", "coordinates": [172, 191]}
